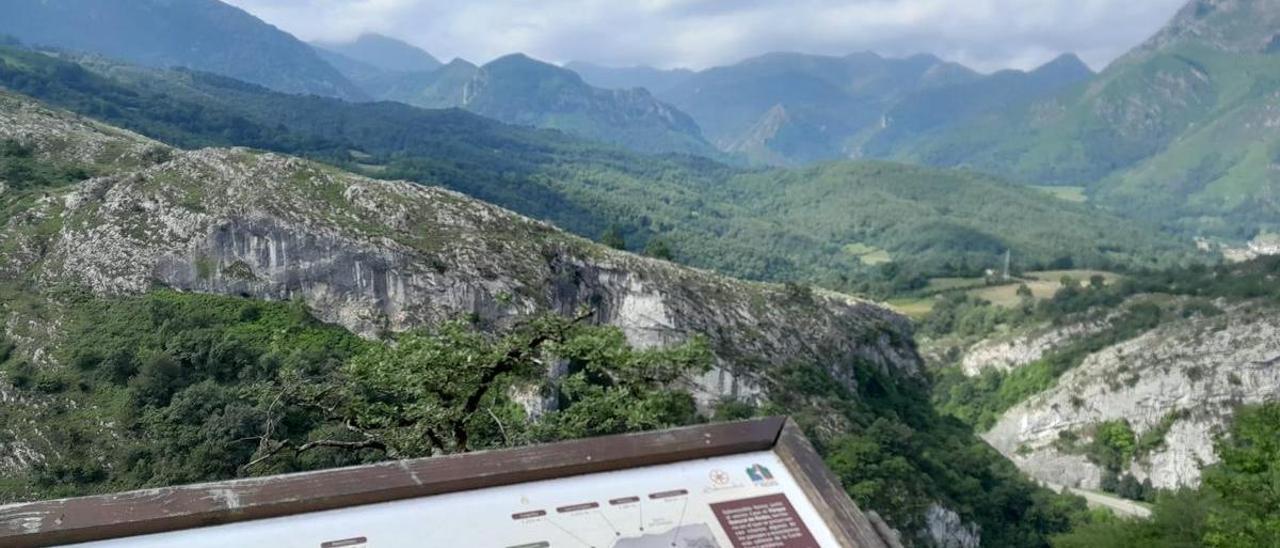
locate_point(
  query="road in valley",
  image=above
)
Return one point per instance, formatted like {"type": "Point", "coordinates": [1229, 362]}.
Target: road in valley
{"type": "Point", "coordinates": [1123, 507]}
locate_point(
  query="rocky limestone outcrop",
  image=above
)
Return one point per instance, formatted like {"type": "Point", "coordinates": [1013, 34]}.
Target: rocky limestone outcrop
{"type": "Point", "coordinates": [1009, 353]}
{"type": "Point", "coordinates": [947, 530]}
{"type": "Point", "coordinates": [380, 257]}
{"type": "Point", "coordinates": [70, 139]}
{"type": "Point", "coordinates": [1190, 374]}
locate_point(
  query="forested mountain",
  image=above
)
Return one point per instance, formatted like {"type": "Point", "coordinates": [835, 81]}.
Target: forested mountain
{"type": "Point", "coordinates": [519, 90]}
{"type": "Point", "coordinates": [708, 214]}
{"type": "Point", "coordinates": [205, 35]}
{"type": "Point", "coordinates": [796, 109]}
{"type": "Point", "coordinates": [944, 107]}
{"type": "Point", "coordinates": [827, 99]}
{"type": "Point", "coordinates": [1181, 130]}
{"type": "Point", "coordinates": [384, 53]}
{"type": "Point", "coordinates": [184, 316]}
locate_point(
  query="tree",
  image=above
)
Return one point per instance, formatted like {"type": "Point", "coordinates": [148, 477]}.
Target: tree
{"type": "Point", "coordinates": [1113, 446]}
{"type": "Point", "coordinates": [658, 249]}
{"type": "Point", "coordinates": [450, 390]}
{"type": "Point", "coordinates": [1130, 488]}
{"type": "Point", "coordinates": [1247, 481]}
{"type": "Point", "coordinates": [613, 237]}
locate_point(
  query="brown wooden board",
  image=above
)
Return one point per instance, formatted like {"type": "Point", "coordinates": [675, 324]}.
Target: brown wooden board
{"type": "Point", "coordinates": [152, 511]}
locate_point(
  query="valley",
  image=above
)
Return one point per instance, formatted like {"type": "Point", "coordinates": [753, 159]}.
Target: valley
{"type": "Point", "coordinates": [1032, 307]}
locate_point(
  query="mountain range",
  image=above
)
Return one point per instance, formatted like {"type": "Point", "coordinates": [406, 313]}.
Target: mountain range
{"type": "Point", "coordinates": [792, 108]}
{"type": "Point", "coordinates": [516, 89]}
{"type": "Point", "coordinates": [1175, 133]}
{"type": "Point", "coordinates": [711, 215]}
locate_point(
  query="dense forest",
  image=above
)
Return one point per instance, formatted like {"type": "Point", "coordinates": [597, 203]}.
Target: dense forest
{"type": "Point", "coordinates": [205, 387]}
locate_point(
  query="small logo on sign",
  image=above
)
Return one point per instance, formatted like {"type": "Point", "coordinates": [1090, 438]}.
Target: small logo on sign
{"type": "Point", "coordinates": [720, 478]}
{"type": "Point", "coordinates": [759, 474]}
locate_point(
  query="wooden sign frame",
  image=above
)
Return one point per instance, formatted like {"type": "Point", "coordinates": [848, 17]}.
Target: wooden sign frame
{"type": "Point", "coordinates": [102, 517]}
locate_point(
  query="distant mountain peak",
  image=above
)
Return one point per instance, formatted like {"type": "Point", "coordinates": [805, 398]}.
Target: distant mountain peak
{"type": "Point", "coordinates": [519, 65]}
{"type": "Point", "coordinates": [864, 55]}
{"type": "Point", "coordinates": [459, 62]}
{"type": "Point", "coordinates": [1067, 63]}
{"type": "Point", "coordinates": [517, 57]}
{"type": "Point", "coordinates": [384, 52]}
{"type": "Point", "coordinates": [925, 58]}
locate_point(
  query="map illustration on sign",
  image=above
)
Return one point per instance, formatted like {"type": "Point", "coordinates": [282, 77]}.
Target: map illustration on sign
{"type": "Point", "coordinates": [748, 500]}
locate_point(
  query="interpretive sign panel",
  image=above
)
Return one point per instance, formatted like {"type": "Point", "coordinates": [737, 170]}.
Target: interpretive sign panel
{"type": "Point", "coordinates": [720, 486]}
{"type": "Point", "coordinates": [708, 503]}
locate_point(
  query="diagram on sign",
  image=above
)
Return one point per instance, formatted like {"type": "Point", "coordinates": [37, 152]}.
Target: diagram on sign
{"type": "Point", "coordinates": [652, 520]}
{"type": "Point", "coordinates": [709, 517]}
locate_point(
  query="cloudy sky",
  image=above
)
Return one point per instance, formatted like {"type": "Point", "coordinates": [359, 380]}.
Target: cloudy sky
{"type": "Point", "coordinates": [984, 34]}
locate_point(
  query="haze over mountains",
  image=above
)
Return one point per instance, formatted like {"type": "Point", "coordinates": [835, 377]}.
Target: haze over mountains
{"type": "Point", "coordinates": [383, 53]}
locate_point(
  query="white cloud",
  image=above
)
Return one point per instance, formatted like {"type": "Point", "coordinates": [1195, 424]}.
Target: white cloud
{"type": "Point", "coordinates": [985, 34]}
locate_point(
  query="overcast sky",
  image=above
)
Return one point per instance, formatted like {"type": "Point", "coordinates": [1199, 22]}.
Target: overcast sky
{"type": "Point", "coordinates": [984, 34]}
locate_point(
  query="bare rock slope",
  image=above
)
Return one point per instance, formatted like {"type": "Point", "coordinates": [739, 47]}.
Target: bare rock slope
{"type": "Point", "coordinates": [1179, 382]}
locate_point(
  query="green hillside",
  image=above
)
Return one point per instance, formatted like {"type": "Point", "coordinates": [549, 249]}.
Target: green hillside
{"type": "Point", "coordinates": [931, 220]}
{"type": "Point", "coordinates": [1180, 131]}
{"type": "Point", "coordinates": [1219, 177]}
{"type": "Point", "coordinates": [936, 109]}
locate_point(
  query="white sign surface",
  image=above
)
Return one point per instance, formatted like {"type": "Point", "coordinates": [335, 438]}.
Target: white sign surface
{"type": "Point", "coordinates": [741, 501]}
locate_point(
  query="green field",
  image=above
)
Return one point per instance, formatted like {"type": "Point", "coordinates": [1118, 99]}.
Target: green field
{"type": "Point", "coordinates": [914, 308]}
{"type": "Point", "coordinates": [1043, 284]}
{"type": "Point", "coordinates": [869, 255]}
{"type": "Point", "coordinates": [1073, 194]}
